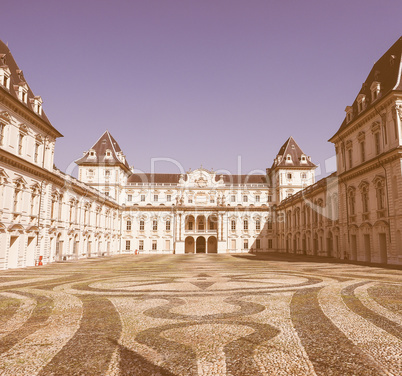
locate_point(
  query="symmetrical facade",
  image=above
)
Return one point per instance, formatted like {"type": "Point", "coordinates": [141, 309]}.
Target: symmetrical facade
{"type": "Point", "coordinates": [199, 211]}
{"type": "Point", "coordinates": [356, 213]}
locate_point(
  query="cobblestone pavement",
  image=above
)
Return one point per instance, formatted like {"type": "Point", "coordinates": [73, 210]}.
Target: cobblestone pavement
{"type": "Point", "coordinates": [200, 315]}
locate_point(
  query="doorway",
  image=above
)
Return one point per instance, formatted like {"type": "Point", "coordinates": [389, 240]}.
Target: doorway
{"type": "Point", "coordinates": [200, 245]}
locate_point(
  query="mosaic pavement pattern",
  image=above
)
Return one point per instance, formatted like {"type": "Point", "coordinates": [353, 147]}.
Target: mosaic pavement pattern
{"type": "Point", "coordinates": [200, 315]}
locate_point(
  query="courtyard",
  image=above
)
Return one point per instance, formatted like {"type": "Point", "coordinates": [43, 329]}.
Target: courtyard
{"type": "Point", "coordinates": [201, 315]}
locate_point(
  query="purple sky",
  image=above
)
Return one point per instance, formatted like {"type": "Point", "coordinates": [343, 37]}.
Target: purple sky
{"type": "Point", "coordinates": [201, 82]}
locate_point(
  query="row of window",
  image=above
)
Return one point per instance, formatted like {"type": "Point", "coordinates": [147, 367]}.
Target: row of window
{"type": "Point", "coordinates": [200, 225]}
{"type": "Point", "coordinates": [257, 198]}
{"type": "Point", "coordinates": [246, 225]}
{"type": "Point", "coordinates": [290, 176]}
{"type": "Point", "coordinates": [154, 244]}
{"type": "Point", "coordinates": [20, 89]}
{"type": "Point", "coordinates": [21, 142]}
{"type": "Point", "coordinates": [379, 185]}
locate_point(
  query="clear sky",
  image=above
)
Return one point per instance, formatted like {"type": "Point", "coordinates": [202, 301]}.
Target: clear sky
{"type": "Point", "coordinates": [200, 82]}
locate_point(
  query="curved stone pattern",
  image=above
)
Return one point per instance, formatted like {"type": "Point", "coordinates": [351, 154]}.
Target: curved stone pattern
{"type": "Point", "coordinates": [208, 315]}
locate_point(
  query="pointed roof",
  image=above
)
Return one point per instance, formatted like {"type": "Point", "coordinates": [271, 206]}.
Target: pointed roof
{"type": "Point", "coordinates": [387, 71]}
{"type": "Point", "coordinates": [292, 149]}
{"type": "Point", "coordinates": [17, 78]}
{"type": "Point", "coordinates": [106, 143]}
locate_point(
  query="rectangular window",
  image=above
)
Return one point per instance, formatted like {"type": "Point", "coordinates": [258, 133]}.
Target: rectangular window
{"type": "Point", "coordinates": [289, 176]}
{"type": "Point", "coordinates": [190, 226]}
{"type": "Point", "coordinates": [167, 245]}
{"type": "Point", "coordinates": [258, 225]}
{"type": "Point", "coordinates": [245, 199]}
{"type": "Point", "coordinates": [36, 152]}
{"type": "Point", "coordinates": [257, 198]}
{"type": "Point", "coordinates": [142, 198]}
{"type": "Point", "coordinates": [142, 225]}
{"type": "Point", "coordinates": [128, 225]}
{"type": "Point", "coordinates": [377, 143]}
{"type": "Point", "coordinates": [167, 225]}
{"type": "Point", "coordinates": [303, 175]}
{"type": "Point", "coordinates": [245, 224]}
{"type": "Point", "coordinates": [363, 151]}
{"type": "Point", "coordinates": [212, 200]}
{"type": "Point", "coordinates": [269, 198]}
{"type": "Point", "coordinates": [270, 243]}
{"type": "Point", "coordinates": [2, 126]}
{"type": "Point", "coordinates": [233, 244]}
{"type": "Point", "coordinates": [269, 225]}
{"type": "Point", "coordinates": [233, 198]}
{"type": "Point", "coordinates": [129, 197]}
{"type": "Point", "coordinates": [141, 245]}
{"type": "Point", "coordinates": [233, 225]}
{"type": "Point", "coordinates": [20, 140]}
{"type": "Point", "coordinates": [190, 200]}
{"type": "Point", "coordinates": [156, 198]}
{"type": "Point", "coordinates": [154, 245]}
{"type": "Point", "coordinates": [169, 198]}
{"type": "Point", "coordinates": [258, 244]}
{"type": "Point", "coordinates": [350, 154]}
{"type": "Point", "coordinates": [155, 225]}
{"type": "Point", "coordinates": [128, 245]}
{"type": "Point", "coordinates": [245, 244]}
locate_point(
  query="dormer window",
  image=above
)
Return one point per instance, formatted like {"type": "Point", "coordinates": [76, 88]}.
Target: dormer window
{"type": "Point", "coordinates": [37, 105]}
{"type": "Point", "coordinates": [361, 103]}
{"type": "Point", "coordinates": [108, 154]}
{"type": "Point", "coordinates": [22, 92]}
{"type": "Point", "coordinates": [288, 158]}
{"type": "Point", "coordinates": [303, 159]}
{"type": "Point", "coordinates": [5, 77]}
{"type": "Point", "coordinates": [349, 113]}
{"type": "Point", "coordinates": [92, 153]}
{"type": "Point", "coordinates": [375, 90]}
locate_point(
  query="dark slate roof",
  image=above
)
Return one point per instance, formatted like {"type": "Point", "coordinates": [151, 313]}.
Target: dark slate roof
{"type": "Point", "coordinates": [244, 179]}
{"type": "Point", "coordinates": [290, 147]}
{"type": "Point", "coordinates": [386, 71]}
{"type": "Point", "coordinates": [17, 77]}
{"type": "Point", "coordinates": [156, 178]}
{"type": "Point", "coordinates": [105, 142]}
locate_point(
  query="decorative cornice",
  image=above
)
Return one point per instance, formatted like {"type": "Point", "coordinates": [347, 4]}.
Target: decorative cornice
{"type": "Point", "coordinates": [19, 109]}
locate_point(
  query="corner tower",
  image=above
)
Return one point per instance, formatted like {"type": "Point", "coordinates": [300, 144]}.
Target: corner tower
{"type": "Point", "coordinates": [291, 171]}
{"type": "Point", "coordinates": [104, 167]}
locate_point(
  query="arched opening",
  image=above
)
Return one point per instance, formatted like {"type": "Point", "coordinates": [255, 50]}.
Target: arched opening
{"type": "Point", "coordinates": [315, 244]}
{"type": "Point", "coordinates": [58, 248]}
{"type": "Point", "coordinates": [212, 222]}
{"type": "Point", "coordinates": [201, 223]}
{"type": "Point", "coordinates": [76, 246]}
{"type": "Point", "coordinates": [212, 245]}
{"type": "Point", "coordinates": [189, 245]}
{"type": "Point", "coordinates": [189, 224]}
{"type": "Point", "coordinates": [330, 244]}
{"type": "Point", "coordinates": [200, 245]}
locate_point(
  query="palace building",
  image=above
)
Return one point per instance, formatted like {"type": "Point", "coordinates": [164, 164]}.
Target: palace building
{"type": "Point", "coordinates": [47, 216]}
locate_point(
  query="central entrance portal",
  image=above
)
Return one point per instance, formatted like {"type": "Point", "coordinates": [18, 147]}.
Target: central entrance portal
{"type": "Point", "coordinates": [200, 245]}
